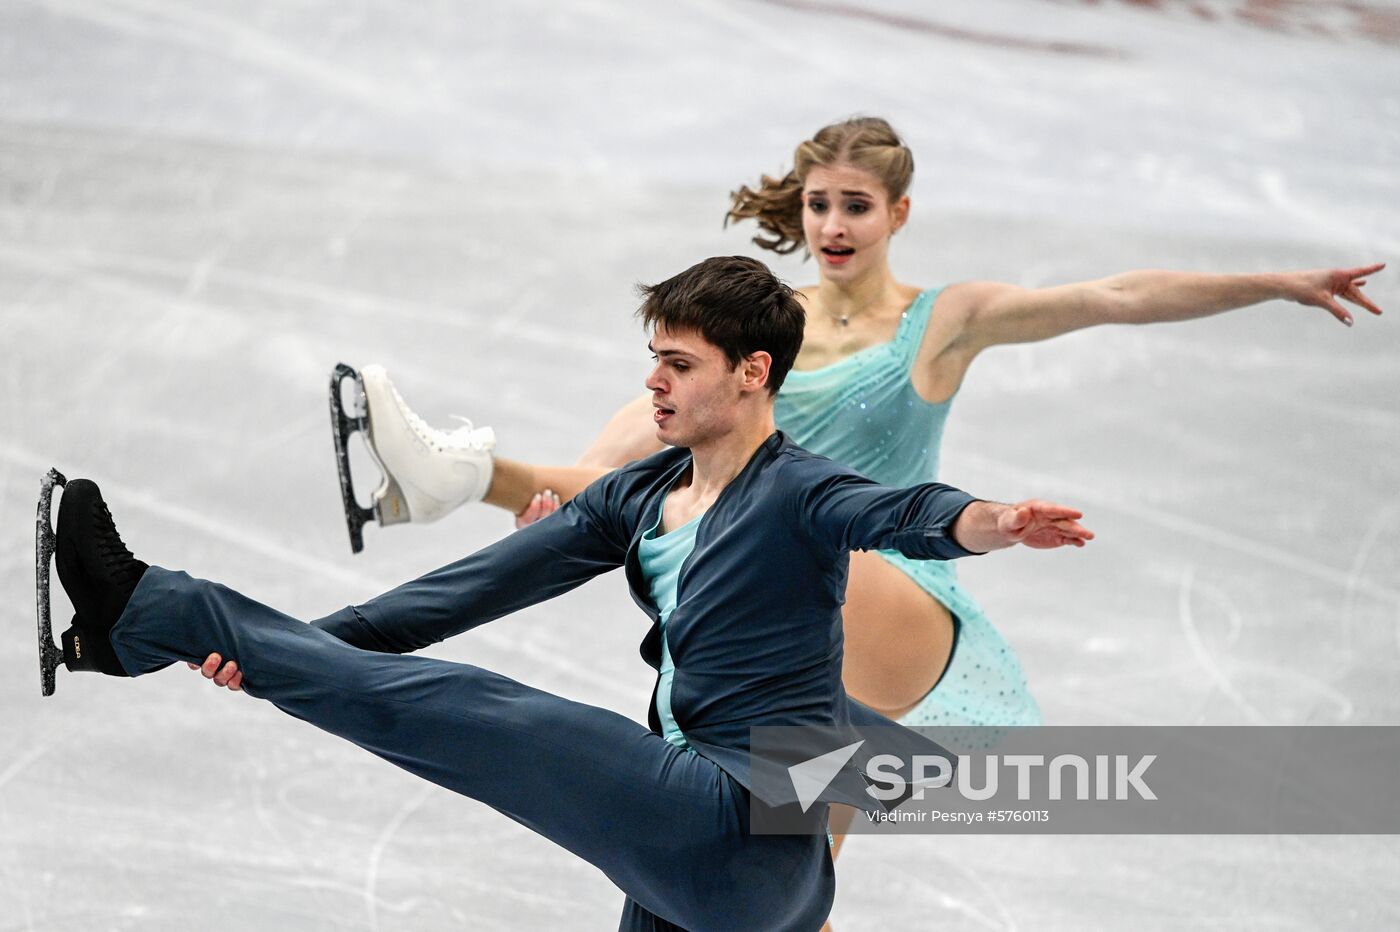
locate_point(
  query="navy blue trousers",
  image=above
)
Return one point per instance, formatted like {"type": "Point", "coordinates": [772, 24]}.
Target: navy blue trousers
{"type": "Point", "coordinates": [668, 826]}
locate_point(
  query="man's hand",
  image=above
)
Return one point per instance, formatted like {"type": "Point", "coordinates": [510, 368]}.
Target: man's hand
{"type": "Point", "coordinates": [229, 676]}
{"type": "Point", "coordinates": [985, 526]}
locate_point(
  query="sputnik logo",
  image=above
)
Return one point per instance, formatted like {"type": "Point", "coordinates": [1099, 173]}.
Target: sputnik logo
{"type": "Point", "coordinates": [811, 777]}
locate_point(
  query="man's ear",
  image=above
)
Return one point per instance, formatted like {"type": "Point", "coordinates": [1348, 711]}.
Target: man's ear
{"type": "Point", "coordinates": [754, 368]}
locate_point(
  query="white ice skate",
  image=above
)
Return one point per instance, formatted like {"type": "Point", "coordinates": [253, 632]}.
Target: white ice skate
{"type": "Point", "coordinates": [427, 472]}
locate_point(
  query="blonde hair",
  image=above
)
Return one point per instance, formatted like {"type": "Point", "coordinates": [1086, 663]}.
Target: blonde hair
{"type": "Point", "coordinates": [867, 143]}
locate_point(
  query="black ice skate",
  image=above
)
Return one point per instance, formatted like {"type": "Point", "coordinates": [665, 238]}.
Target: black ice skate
{"type": "Point", "coordinates": [96, 570]}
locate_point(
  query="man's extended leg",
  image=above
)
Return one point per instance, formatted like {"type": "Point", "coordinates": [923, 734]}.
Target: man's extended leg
{"type": "Point", "coordinates": [669, 827]}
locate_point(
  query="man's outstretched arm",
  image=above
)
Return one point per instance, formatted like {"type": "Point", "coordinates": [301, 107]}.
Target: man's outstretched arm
{"type": "Point", "coordinates": [846, 511]}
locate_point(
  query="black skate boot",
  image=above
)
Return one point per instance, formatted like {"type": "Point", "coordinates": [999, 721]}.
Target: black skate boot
{"type": "Point", "coordinates": [98, 573]}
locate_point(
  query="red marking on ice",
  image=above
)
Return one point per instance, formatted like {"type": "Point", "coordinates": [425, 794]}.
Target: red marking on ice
{"type": "Point", "coordinates": [1380, 25]}
{"type": "Point", "coordinates": [1337, 19]}
{"type": "Point", "coordinates": [914, 24]}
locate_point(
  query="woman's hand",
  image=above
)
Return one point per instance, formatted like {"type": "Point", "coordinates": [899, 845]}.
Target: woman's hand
{"type": "Point", "coordinates": [542, 505]}
{"type": "Point", "coordinates": [1322, 287]}
{"type": "Point", "coordinates": [229, 676]}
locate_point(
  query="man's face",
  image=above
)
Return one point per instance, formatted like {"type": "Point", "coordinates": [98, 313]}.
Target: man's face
{"type": "Point", "coordinates": [694, 390]}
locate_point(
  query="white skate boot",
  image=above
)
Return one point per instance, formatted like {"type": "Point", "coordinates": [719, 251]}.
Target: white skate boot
{"type": "Point", "coordinates": [427, 472]}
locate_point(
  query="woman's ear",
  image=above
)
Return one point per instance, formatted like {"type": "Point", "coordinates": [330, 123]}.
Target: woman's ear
{"type": "Point", "coordinates": [899, 214]}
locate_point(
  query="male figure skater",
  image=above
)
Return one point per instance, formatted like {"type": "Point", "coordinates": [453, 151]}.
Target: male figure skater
{"type": "Point", "coordinates": [735, 543]}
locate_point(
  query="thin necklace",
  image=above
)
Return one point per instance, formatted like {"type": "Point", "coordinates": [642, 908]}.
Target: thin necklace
{"type": "Point", "coordinates": [845, 319]}
{"type": "Point", "coordinates": [842, 319]}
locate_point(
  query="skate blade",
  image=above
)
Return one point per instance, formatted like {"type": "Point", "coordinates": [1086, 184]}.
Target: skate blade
{"type": "Point", "coordinates": [45, 540]}
{"type": "Point", "coordinates": [343, 424]}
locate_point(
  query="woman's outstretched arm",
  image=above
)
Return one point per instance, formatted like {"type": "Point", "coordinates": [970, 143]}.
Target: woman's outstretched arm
{"type": "Point", "coordinates": [994, 314]}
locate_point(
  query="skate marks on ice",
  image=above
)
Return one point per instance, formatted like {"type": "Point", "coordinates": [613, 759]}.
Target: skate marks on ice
{"type": "Point", "coordinates": [122, 275]}
{"type": "Point", "coordinates": [1348, 580]}
{"type": "Point", "coordinates": [153, 503]}
{"type": "Point", "coordinates": [923, 886]}
{"type": "Point", "coordinates": [1302, 688]}
{"type": "Point", "coordinates": [376, 853]}
{"type": "Point", "coordinates": [1382, 524]}
{"type": "Point", "coordinates": [1280, 635]}
{"type": "Point", "coordinates": [206, 33]}
{"type": "Point", "coordinates": [1205, 657]}
{"type": "Point", "coordinates": [382, 912]}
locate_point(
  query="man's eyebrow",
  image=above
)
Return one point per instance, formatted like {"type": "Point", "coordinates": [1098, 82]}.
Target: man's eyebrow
{"type": "Point", "coordinates": [665, 352]}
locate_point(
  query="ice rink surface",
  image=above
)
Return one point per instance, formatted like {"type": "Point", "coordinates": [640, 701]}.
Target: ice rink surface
{"type": "Point", "coordinates": [204, 206]}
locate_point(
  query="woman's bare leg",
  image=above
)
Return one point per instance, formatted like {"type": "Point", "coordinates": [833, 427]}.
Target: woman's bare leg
{"type": "Point", "coordinates": [515, 484]}
{"type": "Point", "coordinates": [898, 637]}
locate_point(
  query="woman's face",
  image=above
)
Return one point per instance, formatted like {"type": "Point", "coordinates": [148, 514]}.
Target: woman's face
{"type": "Point", "coordinates": [848, 219]}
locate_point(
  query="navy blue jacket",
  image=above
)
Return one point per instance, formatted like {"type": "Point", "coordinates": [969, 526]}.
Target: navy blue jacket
{"type": "Point", "coordinates": [756, 632]}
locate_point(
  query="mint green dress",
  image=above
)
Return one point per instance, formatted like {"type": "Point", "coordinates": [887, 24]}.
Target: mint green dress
{"type": "Point", "coordinates": [863, 411]}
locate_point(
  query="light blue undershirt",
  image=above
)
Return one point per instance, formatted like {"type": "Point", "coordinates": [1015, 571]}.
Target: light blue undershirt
{"type": "Point", "coordinates": [661, 556]}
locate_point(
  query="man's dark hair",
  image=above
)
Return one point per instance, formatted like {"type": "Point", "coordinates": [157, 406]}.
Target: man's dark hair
{"type": "Point", "coordinates": [735, 303]}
